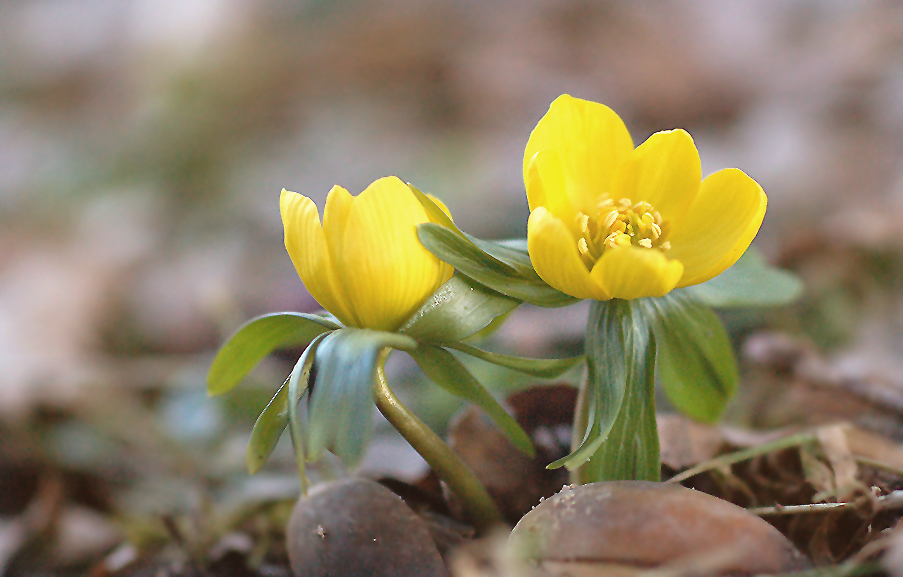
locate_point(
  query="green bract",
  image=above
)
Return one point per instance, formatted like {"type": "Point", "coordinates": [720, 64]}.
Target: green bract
{"type": "Point", "coordinates": [344, 362]}
{"type": "Point", "coordinates": [695, 361]}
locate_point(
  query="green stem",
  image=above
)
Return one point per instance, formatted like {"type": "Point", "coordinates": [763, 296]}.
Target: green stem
{"type": "Point", "coordinates": [478, 505]}
{"type": "Point", "coordinates": [631, 451]}
{"type": "Point", "coordinates": [620, 352]}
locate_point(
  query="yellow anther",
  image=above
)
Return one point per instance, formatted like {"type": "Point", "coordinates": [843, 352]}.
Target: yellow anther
{"type": "Point", "coordinates": [618, 224]}
{"type": "Point", "coordinates": [583, 221]}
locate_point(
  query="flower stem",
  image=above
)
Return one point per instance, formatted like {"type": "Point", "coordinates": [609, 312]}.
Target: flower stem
{"type": "Point", "coordinates": [631, 451]}
{"type": "Point", "coordinates": [478, 505]}
{"type": "Point", "coordinates": [620, 357]}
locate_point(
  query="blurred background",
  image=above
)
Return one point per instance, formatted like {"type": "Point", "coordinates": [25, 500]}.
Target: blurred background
{"type": "Point", "coordinates": [144, 143]}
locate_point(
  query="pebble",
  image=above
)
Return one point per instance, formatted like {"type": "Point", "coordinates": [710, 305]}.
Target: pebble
{"type": "Point", "coordinates": [631, 526]}
{"type": "Point", "coordinates": [358, 527]}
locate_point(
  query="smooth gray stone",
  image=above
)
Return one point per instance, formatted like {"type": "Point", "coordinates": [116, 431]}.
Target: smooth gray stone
{"type": "Point", "coordinates": [358, 527]}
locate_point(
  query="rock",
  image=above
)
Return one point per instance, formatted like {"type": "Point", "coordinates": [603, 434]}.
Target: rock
{"type": "Point", "coordinates": [635, 525]}
{"type": "Point", "coordinates": [358, 527]}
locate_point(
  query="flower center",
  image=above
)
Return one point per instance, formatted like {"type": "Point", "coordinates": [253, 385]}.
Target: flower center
{"type": "Point", "coordinates": [617, 224]}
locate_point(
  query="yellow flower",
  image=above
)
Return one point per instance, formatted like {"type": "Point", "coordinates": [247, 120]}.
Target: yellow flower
{"type": "Point", "coordinates": [365, 264]}
{"type": "Point", "coordinates": [610, 221]}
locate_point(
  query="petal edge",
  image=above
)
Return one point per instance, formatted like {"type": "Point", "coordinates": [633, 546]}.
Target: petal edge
{"type": "Point", "coordinates": [305, 242]}
{"type": "Point", "coordinates": [591, 141]}
{"type": "Point", "coordinates": [553, 252]}
{"type": "Point", "coordinates": [720, 225]}
{"type": "Point", "coordinates": [632, 272]}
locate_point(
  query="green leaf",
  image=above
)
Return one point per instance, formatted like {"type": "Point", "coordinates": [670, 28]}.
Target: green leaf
{"type": "Point", "coordinates": [298, 384]}
{"type": "Point", "coordinates": [267, 429]}
{"type": "Point", "coordinates": [696, 363]}
{"type": "Point", "coordinates": [274, 418]}
{"type": "Point", "coordinates": [465, 252]}
{"type": "Point", "coordinates": [340, 406]}
{"type": "Point", "coordinates": [258, 338]}
{"type": "Point", "coordinates": [512, 252]}
{"type": "Point", "coordinates": [448, 372]}
{"type": "Point", "coordinates": [751, 282]}
{"type": "Point", "coordinates": [460, 308]}
{"type": "Point", "coordinates": [518, 244]}
{"type": "Point", "coordinates": [472, 261]}
{"type": "Point", "coordinates": [617, 342]}
{"type": "Point", "coordinates": [505, 254]}
{"type": "Point", "coordinates": [541, 368]}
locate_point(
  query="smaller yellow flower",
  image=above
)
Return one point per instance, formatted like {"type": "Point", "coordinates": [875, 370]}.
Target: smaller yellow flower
{"type": "Point", "coordinates": [365, 264]}
{"type": "Point", "coordinates": [608, 220]}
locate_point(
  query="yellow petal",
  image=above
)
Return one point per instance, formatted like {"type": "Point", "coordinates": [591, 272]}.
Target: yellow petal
{"type": "Point", "coordinates": [442, 206]}
{"type": "Point", "coordinates": [546, 187]}
{"type": "Point", "coordinates": [591, 141]}
{"type": "Point", "coordinates": [631, 273]}
{"type": "Point", "coordinates": [387, 272]}
{"type": "Point", "coordinates": [306, 245]}
{"type": "Point", "coordinates": [719, 226]}
{"type": "Point", "coordinates": [664, 171]}
{"type": "Point", "coordinates": [553, 251]}
{"type": "Point", "coordinates": [335, 213]}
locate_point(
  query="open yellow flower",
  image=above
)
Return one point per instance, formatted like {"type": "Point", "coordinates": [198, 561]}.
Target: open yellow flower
{"type": "Point", "coordinates": [610, 221]}
{"type": "Point", "coordinates": [365, 264]}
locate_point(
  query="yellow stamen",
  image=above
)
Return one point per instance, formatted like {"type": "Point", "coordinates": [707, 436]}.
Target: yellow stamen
{"type": "Point", "coordinates": [583, 219]}
{"type": "Point", "coordinates": [619, 224]}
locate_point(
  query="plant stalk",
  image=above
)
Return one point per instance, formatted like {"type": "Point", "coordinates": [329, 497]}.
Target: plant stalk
{"type": "Point", "coordinates": [620, 355]}
{"type": "Point", "coordinates": [631, 451]}
{"type": "Point", "coordinates": [478, 505]}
